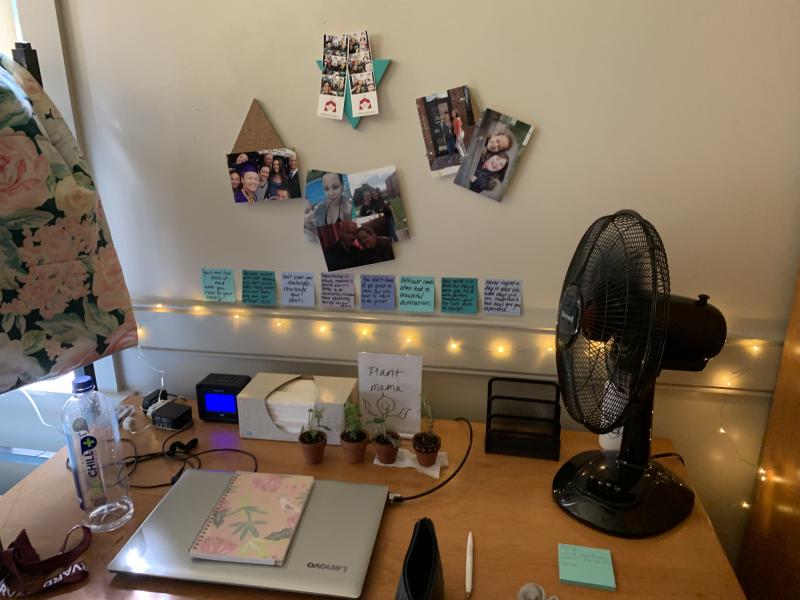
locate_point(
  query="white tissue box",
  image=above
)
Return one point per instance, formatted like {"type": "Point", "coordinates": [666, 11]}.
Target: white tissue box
{"type": "Point", "coordinates": [274, 406]}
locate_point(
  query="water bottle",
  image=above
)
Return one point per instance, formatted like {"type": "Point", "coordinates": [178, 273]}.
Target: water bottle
{"type": "Point", "coordinates": [96, 457]}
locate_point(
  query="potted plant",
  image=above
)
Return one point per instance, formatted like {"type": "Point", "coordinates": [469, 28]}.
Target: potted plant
{"type": "Point", "coordinates": [312, 438]}
{"type": "Point", "coordinates": [387, 442]}
{"type": "Point", "coordinates": [354, 438]}
{"type": "Point", "coordinates": [426, 443]}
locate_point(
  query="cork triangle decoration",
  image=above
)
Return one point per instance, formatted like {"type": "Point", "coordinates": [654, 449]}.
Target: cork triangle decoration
{"type": "Point", "coordinates": [257, 132]}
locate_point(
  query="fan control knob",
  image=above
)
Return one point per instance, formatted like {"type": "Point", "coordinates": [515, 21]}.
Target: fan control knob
{"type": "Point", "coordinates": [702, 300]}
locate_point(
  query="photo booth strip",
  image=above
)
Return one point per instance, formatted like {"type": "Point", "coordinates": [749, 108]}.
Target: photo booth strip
{"type": "Point", "coordinates": [334, 72]}
{"type": "Point", "coordinates": [363, 94]}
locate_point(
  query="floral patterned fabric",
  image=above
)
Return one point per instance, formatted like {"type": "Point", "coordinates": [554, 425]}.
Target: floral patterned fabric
{"type": "Point", "coordinates": [63, 298]}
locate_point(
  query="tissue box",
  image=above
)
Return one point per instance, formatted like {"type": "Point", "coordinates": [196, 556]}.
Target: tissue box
{"type": "Point", "coordinates": [273, 406]}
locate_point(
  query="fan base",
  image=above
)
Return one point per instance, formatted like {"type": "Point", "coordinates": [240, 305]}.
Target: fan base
{"type": "Point", "coordinates": [597, 489]}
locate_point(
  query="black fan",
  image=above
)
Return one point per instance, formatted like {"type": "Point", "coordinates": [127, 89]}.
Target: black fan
{"type": "Point", "coordinates": [617, 327]}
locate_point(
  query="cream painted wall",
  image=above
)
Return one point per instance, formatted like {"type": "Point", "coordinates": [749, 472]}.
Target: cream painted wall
{"type": "Point", "coordinates": [686, 111]}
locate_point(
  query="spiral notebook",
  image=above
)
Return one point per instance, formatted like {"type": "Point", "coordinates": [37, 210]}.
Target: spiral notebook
{"type": "Point", "coordinates": [254, 520]}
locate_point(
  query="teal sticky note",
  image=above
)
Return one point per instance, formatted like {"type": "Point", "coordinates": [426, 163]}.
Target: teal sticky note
{"type": "Point", "coordinates": [459, 295]}
{"type": "Point", "coordinates": [416, 294]}
{"type": "Point", "coordinates": [218, 285]}
{"type": "Point", "coordinates": [258, 287]}
{"type": "Point", "coordinates": [589, 567]}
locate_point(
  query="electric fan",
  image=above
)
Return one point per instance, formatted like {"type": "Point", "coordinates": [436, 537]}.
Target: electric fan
{"type": "Point", "coordinates": [617, 328]}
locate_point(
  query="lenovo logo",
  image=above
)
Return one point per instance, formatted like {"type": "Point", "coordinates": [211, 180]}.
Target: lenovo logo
{"type": "Point", "coordinates": [327, 567]}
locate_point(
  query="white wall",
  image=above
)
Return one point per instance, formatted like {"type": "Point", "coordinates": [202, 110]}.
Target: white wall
{"type": "Point", "coordinates": [686, 111]}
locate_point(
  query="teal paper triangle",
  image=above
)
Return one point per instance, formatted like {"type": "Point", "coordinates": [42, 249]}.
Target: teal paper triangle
{"type": "Point", "coordinates": [379, 66]}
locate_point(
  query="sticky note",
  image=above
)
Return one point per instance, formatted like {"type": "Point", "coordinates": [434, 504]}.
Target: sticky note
{"type": "Point", "coordinates": [377, 292]}
{"type": "Point", "coordinates": [589, 567]}
{"type": "Point", "coordinates": [338, 290]}
{"type": "Point", "coordinates": [416, 294]}
{"type": "Point", "coordinates": [502, 297]}
{"type": "Point", "coordinates": [258, 287]}
{"type": "Point", "coordinates": [297, 289]}
{"type": "Point", "coordinates": [218, 285]}
{"type": "Point", "coordinates": [459, 295]}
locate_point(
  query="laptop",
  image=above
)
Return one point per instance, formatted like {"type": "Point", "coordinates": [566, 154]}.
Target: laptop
{"type": "Point", "coordinates": [318, 562]}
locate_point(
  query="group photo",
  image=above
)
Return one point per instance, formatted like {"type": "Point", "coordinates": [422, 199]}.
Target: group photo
{"type": "Point", "coordinates": [264, 175]}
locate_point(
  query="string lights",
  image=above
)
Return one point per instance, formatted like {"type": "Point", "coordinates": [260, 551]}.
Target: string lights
{"type": "Point", "coordinates": [409, 339]}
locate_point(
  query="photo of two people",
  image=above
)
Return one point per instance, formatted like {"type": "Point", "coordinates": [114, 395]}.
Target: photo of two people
{"type": "Point", "coordinates": [493, 154]}
{"type": "Point", "coordinates": [264, 175]}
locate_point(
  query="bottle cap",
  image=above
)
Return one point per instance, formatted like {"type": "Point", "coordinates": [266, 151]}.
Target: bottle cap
{"type": "Point", "coordinates": [84, 383]}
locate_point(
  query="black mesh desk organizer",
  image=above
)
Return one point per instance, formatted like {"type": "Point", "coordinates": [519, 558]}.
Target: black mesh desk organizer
{"type": "Point", "coordinates": [523, 418]}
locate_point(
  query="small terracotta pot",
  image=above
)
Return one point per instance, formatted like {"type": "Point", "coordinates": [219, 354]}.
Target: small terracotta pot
{"type": "Point", "coordinates": [354, 451]}
{"type": "Point", "coordinates": [313, 452]}
{"type": "Point", "coordinates": [426, 446]}
{"type": "Point", "coordinates": [387, 453]}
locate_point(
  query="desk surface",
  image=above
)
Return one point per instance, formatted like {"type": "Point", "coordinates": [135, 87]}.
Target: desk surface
{"type": "Point", "coordinates": [505, 501]}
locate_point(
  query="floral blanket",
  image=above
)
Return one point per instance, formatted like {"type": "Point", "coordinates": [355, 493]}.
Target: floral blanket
{"type": "Point", "coordinates": [63, 298]}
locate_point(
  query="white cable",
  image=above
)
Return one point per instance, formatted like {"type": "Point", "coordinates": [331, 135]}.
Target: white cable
{"type": "Point", "coordinates": [36, 410]}
{"type": "Point", "coordinates": [155, 370]}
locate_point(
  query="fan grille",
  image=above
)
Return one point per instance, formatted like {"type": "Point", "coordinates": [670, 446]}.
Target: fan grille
{"type": "Point", "coordinates": [610, 346]}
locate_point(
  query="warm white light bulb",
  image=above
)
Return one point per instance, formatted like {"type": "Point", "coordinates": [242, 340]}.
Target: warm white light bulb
{"type": "Point", "coordinates": [762, 471]}
{"type": "Point", "coordinates": [278, 323]}
{"type": "Point", "coordinates": [501, 349]}
{"type": "Point", "coordinates": [159, 305]}
{"type": "Point", "coordinates": [453, 346]}
{"type": "Point", "coordinates": [722, 430]}
{"type": "Point", "coordinates": [409, 340]}
{"type": "Point", "coordinates": [745, 504]}
{"type": "Point", "coordinates": [549, 348]}
{"type": "Point", "coordinates": [237, 317]}
{"type": "Point", "coordinates": [365, 331]}
{"type": "Point", "coordinates": [763, 478]}
{"type": "Point", "coordinates": [323, 328]}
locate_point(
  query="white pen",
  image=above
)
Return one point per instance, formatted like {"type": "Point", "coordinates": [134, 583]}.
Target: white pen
{"type": "Point", "coordinates": [469, 564]}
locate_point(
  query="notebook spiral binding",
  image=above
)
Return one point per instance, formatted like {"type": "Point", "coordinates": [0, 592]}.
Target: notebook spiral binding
{"type": "Point", "coordinates": [201, 534]}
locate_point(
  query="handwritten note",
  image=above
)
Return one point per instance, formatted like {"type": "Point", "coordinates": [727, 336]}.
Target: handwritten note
{"type": "Point", "coordinates": [502, 297]}
{"type": "Point", "coordinates": [377, 292]}
{"type": "Point", "coordinates": [297, 289]}
{"type": "Point", "coordinates": [218, 285]}
{"type": "Point", "coordinates": [416, 294]}
{"type": "Point", "coordinates": [258, 287]}
{"type": "Point", "coordinates": [391, 378]}
{"type": "Point", "coordinates": [590, 567]}
{"type": "Point", "coordinates": [338, 290]}
{"type": "Point", "coordinates": [459, 295]}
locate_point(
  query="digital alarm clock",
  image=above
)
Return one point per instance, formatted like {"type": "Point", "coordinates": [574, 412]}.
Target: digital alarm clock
{"type": "Point", "coordinates": [216, 397]}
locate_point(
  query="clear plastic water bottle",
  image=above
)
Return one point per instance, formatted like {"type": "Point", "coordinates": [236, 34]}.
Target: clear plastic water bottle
{"type": "Point", "coordinates": [96, 457]}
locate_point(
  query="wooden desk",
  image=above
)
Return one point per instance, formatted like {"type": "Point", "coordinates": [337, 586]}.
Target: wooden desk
{"type": "Point", "coordinates": [506, 502]}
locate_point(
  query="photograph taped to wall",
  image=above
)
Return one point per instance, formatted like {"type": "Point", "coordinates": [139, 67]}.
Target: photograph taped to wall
{"type": "Point", "coordinates": [363, 94]}
{"type": "Point", "coordinates": [328, 201]}
{"type": "Point", "coordinates": [347, 244]}
{"type": "Point", "coordinates": [376, 194]}
{"type": "Point", "coordinates": [448, 121]}
{"type": "Point", "coordinates": [258, 175]}
{"type": "Point", "coordinates": [330, 104]}
{"type": "Point", "coordinates": [493, 154]}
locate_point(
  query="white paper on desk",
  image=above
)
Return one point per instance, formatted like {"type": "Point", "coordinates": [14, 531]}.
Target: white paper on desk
{"type": "Point", "coordinates": [397, 377]}
{"type": "Point", "coordinates": [406, 458]}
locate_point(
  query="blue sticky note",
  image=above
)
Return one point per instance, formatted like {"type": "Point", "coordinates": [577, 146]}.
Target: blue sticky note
{"type": "Point", "coordinates": [337, 290]}
{"type": "Point", "coordinates": [377, 292]}
{"type": "Point", "coordinates": [258, 287]}
{"type": "Point", "coordinates": [502, 297]}
{"type": "Point", "coordinates": [459, 295]}
{"type": "Point", "coordinates": [218, 285]}
{"type": "Point", "coordinates": [416, 294]}
{"type": "Point", "coordinates": [297, 289]}
{"type": "Point", "coordinates": [589, 567]}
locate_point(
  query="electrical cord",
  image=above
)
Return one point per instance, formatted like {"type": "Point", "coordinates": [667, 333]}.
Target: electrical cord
{"type": "Point", "coordinates": [178, 451]}
{"type": "Point", "coordinates": [669, 454]}
{"type": "Point", "coordinates": [397, 498]}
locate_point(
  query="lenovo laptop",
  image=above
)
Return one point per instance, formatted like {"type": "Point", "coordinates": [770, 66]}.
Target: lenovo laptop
{"type": "Point", "coordinates": [318, 562]}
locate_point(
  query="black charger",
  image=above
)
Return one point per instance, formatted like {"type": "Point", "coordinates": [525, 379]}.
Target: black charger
{"type": "Point", "coordinates": [172, 416]}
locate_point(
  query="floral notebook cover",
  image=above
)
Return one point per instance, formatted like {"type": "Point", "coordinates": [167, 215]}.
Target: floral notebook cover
{"type": "Point", "coordinates": [254, 519]}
